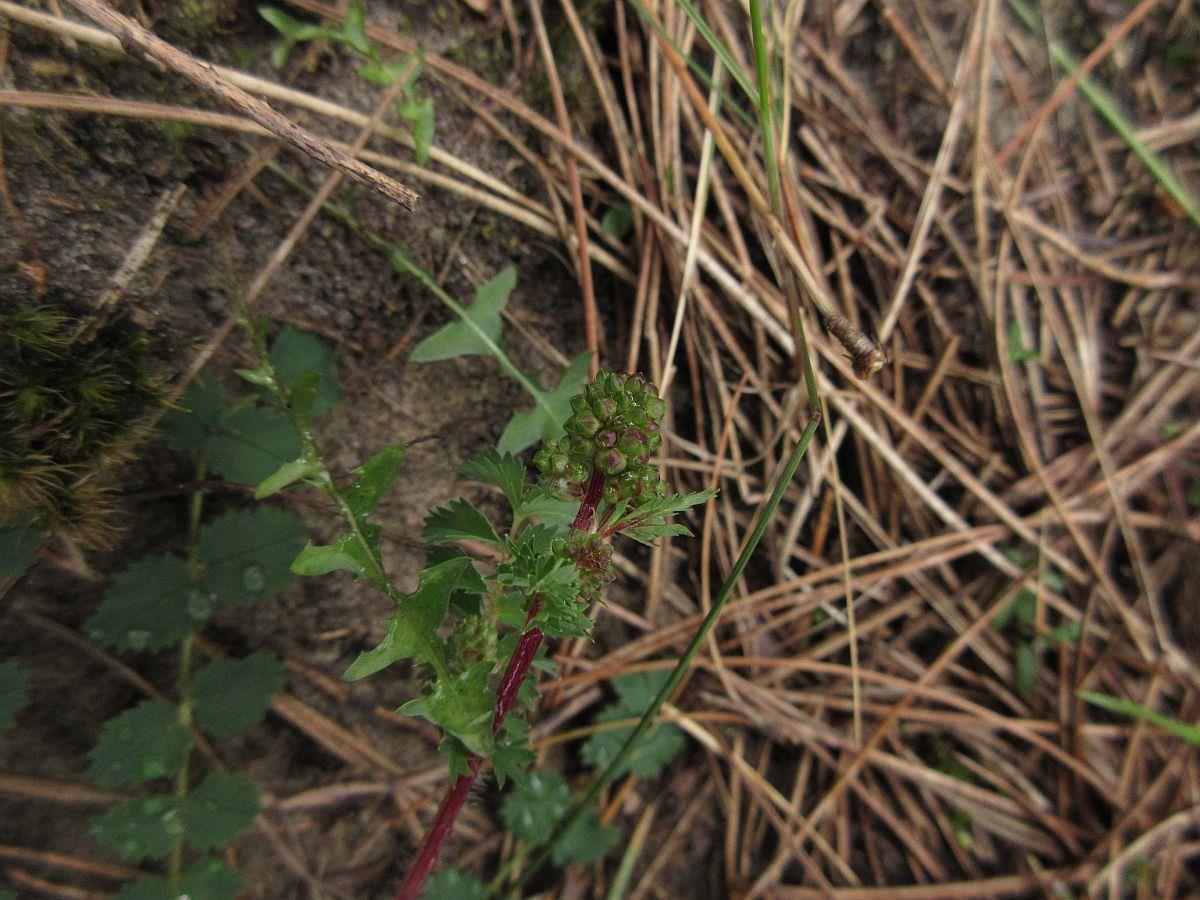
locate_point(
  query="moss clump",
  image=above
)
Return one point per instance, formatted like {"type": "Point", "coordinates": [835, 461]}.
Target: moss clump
{"type": "Point", "coordinates": [69, 408]}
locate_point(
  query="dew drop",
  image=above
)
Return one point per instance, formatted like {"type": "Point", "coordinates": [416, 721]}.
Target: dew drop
{"type": "Point", "coordinates": [137, 639]}
{"type": "Point", "coordinates": [131, 849]}
{"type": "Point", "coordinates": [254, 579]}
{"type": "Point", "coordinates": [199, 604]}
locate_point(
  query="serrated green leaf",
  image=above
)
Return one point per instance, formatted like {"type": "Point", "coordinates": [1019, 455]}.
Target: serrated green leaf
{"type": "Point", "coordinates": [295, 353]}
{"type": "Point", "coordinates": [660, 745]}
{"type": "Point", "coordinates": [511, 760]}
{"type": "Point", "coordinates": [209, 879]}
{"type": "Point", "coordinates": [637, 690]}
{"type": "Point", "coordinates": [247, 554]}
{"type": "Point", "coordinates": [451, 884]}
{"type": "Point", "coordinates": [461, 705]}
{"type": "Point", "coordinates": [139, 745]}
{"type": "Point", "coordinates": [538, 505]}
{"type": "Point", "coordinates": [655, 512]}
{"type": "Point", "coordinates": [563, 616]}
{"type": "Point", "coordinates": [288, 473]}
{"type": "Point", "coordinates": [545, 421]}
{"type": "Point", "coordinates": [411, 631]}
{"type": "Point", "coordinates": [656, 750]}
{"type": "Point", "coordinates": [346, 553]}
{"type": "Point", "coordinates": [152, 605]}
{"type": "Point", "coordinates": [534, 806]}
{"type": "Point", "coordinates": [459, 521]}
{"type": "Point", "coordinates": [232, 694]}
{"type": "Point", "coordinates": [140, 829]}
{"type": "Point", "coordinates": [373, 478]}
{"type": "Point", "coordinates": [14, 693]}
{"type": "Point", "coordinates": [223, 805]}
{"type": "Point", "coordinates": [503, 470]}
{"type": "Point", "coordinates": [586, 842]}
{"type": "Point", "coordinates": [18, 548]}
{"type": "Point", "coordinates": [243, 443]}
{"type": "Point", "coordinates": [479, 331]}
{"type": "Point", "coordinates": [646, 534]}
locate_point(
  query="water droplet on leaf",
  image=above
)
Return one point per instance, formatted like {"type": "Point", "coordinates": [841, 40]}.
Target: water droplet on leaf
{"type": "Point", "coordinates": [137, 639]}
{"type": "Point", "coordinates": [199, 604]}
{"type": "Point", "coordinates": [253, 579]}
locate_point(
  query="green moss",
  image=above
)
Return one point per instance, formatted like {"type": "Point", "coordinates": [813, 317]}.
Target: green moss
{"type": "Point", "coordinates": [70, 405]}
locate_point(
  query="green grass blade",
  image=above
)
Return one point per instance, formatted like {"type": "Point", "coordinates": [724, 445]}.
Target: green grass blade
{"type": "Point", "coordinates": [1109, 108]}
{"type": "Point", "coordinates": [1181, 730]}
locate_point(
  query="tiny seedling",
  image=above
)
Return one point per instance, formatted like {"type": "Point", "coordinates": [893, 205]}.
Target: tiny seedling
{"type": "Point", "coordinates": [412, 107]}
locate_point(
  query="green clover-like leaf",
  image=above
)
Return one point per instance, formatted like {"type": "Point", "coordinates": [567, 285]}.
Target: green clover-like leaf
{"type": "Point", "coordinates": [242, 443]}
{"type": "Point", "coordinates": [586, 842]}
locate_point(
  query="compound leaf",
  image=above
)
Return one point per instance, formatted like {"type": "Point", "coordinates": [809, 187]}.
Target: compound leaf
{"type": "Point", "coordinates": [140, 829]}
{"type": "Point", "coordinates": [479, 331]}
{"type": "Point", "coordinates": [223, 805]}
{"type": "Point", "coordinates": [232, 694]}
{"type": "Point", "coordinates": [247, 554]}
{"type": "Point", "coordinates": [152, 605]}
{"type": "Point", "coordinates": [139, 745]}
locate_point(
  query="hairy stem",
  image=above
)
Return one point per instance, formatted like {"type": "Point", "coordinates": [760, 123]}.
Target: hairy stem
{"type": "Point", "coordinates": [506, 698]}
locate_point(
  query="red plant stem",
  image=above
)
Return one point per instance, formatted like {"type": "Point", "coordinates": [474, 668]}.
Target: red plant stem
{"type": "Point", "coordinates": [506, 699]}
